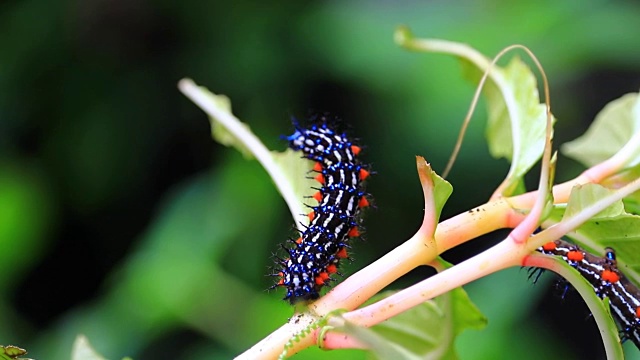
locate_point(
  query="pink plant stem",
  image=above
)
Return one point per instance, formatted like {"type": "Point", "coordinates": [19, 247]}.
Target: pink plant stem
{"type": "Point", "coordinates": [336, 340]}
{"type": "Point", "coordinates": [505, 254]}
{"type": "Point", "coordinates": [355, 290]}
{"type": "Point", "coordinates": [273, 345]}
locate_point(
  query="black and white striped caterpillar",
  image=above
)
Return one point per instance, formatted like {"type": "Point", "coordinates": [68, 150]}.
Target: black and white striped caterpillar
{"type": "Point", "coordinates": [607, 281]}
{"type": "Point", "coordinates": [316, 254]}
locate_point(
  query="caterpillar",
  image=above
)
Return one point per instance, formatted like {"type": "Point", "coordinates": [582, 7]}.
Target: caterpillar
{"type": "Point", "coordinates": [607, 281]}
{"type": "Point", "coordinates": [314, 257]}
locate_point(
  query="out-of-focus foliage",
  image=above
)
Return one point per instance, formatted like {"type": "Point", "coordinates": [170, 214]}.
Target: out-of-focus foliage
{"type": "Point", "coordinates": [82, 350]}
{"type": "Point", "coordinates": [120, 219]}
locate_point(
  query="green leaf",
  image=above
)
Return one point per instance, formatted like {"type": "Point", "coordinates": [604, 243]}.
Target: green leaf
{"type": "Point", "coordinates": [219, 132]}
{"type": "Point", "coordinates": [442, 189]}
{"type": "Point", "coordinates": [620, 179]}
{"type": "Point", "coordinates": [435, 188]}
{"type": "Point", "coordinates": [298, 172]}
{"type": "Point", "coordinates": [288, 171]}
{"type": "Point", "coordinates": [517, 119]}
{"type": "Point", "coordinates": [425, 331]}
{"type": "Point", "coordinates": [380, 346]}
{"type": "Point", "coordinates": [82, 350]}
{"type": "Point", "coordinates": [11, 352]}
{"type": "Point", "coordinates": [612, 129]}
{"type": "Point", "coordinates": [622, 233]}
{"type": "Point", "coordinates": [584, 195]}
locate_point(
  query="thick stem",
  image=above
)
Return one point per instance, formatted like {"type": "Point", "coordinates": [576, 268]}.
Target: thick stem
{"type": "Point", "coordinates": [503, 255]}
{"type": "Point", "coordinates": [451, 232]}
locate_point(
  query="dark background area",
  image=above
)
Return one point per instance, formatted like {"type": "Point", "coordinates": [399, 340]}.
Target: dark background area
{"type": "Point", "coordinates": [120, 218]}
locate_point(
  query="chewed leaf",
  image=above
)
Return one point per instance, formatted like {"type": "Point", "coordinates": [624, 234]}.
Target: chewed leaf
{"type": "Point", "coordinates": [82, 350]}
{"type": "Point", "coordinates": [517, 119]}
{"type": "Point", "coordinates": [284, 168]}
{"type": "Point", "coordinates": [613, 227]}
{"type": "Point", "coordinates": [221, 135]}
{"type": "Point", "coordinates": [425, 331]}
{"type": "Point", "coordinates": [617, 125]}
{"type": "Point", "coordinates": [218, 131]}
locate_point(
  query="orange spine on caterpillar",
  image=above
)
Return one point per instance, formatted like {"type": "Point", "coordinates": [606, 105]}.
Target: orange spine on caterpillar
{"type": "Point", "coordinates": [607, 281]}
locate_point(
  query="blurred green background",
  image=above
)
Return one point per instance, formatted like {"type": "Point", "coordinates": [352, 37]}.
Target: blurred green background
{"type": "Point", "coordinates": [121, 219]}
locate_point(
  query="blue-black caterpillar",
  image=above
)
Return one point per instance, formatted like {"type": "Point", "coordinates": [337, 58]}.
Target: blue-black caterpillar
{"type": "Point", "coordinates": [316, 254]}
{"type": "Point", "coordinates": [607, 281]}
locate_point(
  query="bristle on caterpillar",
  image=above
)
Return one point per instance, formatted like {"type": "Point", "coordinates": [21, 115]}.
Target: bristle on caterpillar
{"type": "Point", "coordinates": [607, 281]}
{"type": "Point", "coordinates": [317, 253]}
